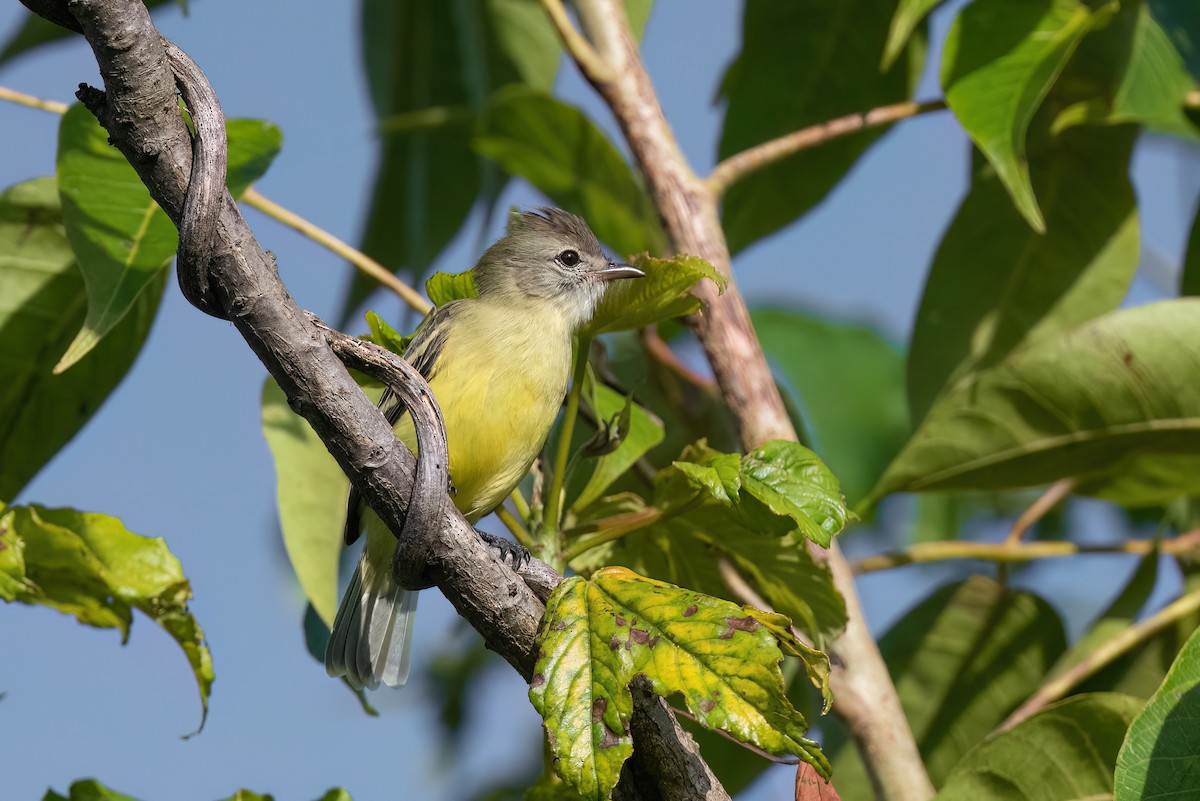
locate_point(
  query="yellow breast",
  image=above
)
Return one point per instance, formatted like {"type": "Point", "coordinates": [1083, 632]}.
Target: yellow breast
{"type": "Point", "coordinates": [499, 380]}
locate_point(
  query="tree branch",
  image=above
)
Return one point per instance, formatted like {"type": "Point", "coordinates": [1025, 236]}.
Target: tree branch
{"type": "Point", "coordinates": [865, 696]}
{"type": "Point", "coordinates": [1105, 655]}
{"type": "Point", "coordinates": [1018, 552]}
{"type": "Point", "coordinates": [751, 160]}
{"type": "Point", "coordinates": [141, 114]}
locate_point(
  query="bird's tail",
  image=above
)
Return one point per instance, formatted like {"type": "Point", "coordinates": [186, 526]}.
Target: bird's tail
{"type": "Point", "coordinates": [372, 633]}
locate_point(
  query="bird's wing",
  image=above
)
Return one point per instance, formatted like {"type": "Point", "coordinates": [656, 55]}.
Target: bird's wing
{"type": "Point", "coordinates": [422, 353]}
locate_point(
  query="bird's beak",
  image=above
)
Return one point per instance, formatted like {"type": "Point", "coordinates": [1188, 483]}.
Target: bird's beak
{"type": "Point", "coordinates": [612, 271]}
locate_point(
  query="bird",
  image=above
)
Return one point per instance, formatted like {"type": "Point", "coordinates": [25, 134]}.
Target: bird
{"type": "Point", "coordinates": [498, 365]}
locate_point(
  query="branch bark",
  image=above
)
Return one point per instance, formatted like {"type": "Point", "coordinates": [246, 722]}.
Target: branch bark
{"type": "Point", "coordinates": [240, 283]}
{"type": "Point", "coordinates": [865, 697]}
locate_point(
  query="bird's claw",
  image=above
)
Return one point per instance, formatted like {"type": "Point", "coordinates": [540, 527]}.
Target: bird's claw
{"type": "Point", "coordinates": [515, 554]}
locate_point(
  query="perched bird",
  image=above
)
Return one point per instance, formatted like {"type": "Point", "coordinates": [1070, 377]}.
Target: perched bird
{"type": "Point", "coordinates": [498, 365]}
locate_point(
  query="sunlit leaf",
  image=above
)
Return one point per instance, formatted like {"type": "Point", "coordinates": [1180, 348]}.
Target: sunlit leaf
{"type": "Point", "coordinates": [1115, 402]}
{"type": "Point", "coordinates": [42, 305]}
{"type": "Point", "coordinates": [122, 239]}
{"type": "Point", "coordinates": [599, 634]}
{"type": "Point", "coordinates": [556, 148]}
{"type": "Point", "coordinates": [848, 384]}
{"type": "Point", "coordinates": [385, 336]}
{"type": "Point", "coordinates": [1159, 758]}
{"type": "Point", "coordinates": [1001, 58]}
{"type": "Point", "coordinates": [1066, 752]}
{"type": "Point", "coordinates": [961, 660]}
{"type": "Point", "coordinates": [803, 64]}
{"type": "Point", "coordinates": [445, 287]}
{"type": "Point", "coordinates": [995, 284]}
{"type": "Point", "coordinates": [88, 565]}
{"type": "Point", "coordinates": [663, 294]}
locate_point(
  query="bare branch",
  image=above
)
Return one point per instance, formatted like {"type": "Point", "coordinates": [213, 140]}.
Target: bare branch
{"type": "Point", "coordinates": [1105, 655]}
{"type": "Point", "coordinates": [751, 160]}
{"type": "Point", "coordinates": [580, 48]}
{"type": "Point", "coordinates": [1039, 508]}
{"type": "Point", "coordinates": [866, 697]}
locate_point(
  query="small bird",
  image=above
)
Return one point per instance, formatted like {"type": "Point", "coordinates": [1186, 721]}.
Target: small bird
{"type": "Point", "coordinates": [498, 365]}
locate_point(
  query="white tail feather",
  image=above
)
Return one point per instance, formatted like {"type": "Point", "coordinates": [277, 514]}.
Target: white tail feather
{"type": "Point", "coordinates": [371, 639]}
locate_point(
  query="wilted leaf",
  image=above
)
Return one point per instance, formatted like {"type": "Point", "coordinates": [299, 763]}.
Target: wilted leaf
{"type": "Point", "coordinates": [664, 293]}
{"type": "Point", "coordinates": [122, 239]}
{"type": "Point", "coordinates": [802, 64]}
{"type": "Point", "coordinates": [1159, 758]}
{"type": "Point", "coordinates": [556, 148]}
{"type": "Point", "coordinates": [1066, 752]}
{"type": "Point", "coordinates": [848, 383]}
{"type": "Point", "coordinates": [88, 565]}
{"type": "Point", "coordinates": [598, 635]}
{"type": "Point", "coordinates": [42, 305]}
{"type": "Point", "coordinates": [1001, 58]}
{"type": "Point", "coordinates": [961, 660]}
{"type": "Point", "coordinates": [995, 284]}
{"type": "Point", "coordinates": [1115, 402]}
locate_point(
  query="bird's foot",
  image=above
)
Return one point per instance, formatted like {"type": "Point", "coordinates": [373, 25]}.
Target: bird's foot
{"type": "Point", "coordinates": [510, 552]}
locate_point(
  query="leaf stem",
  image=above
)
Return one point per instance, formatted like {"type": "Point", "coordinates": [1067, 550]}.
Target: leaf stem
{"type": "Point", "coordinates": [522, 505]}
{"type": "Point", "coordinates": [555, 500]}
{"type": "Point", "coordinates": [617, 526]}
{"type": "Point", "coordinates": [753, 159]}
{"type": "Point", "coordinates": [1015, 553]}
{"type": "Point", "coordinates": [360, 260]}
{"type": "Point", "coordinates": [22, 99]}
{"type": "Point", "coordinates": [590, 63]}
{"type": "Point", "coordinates": [1103, 656]}
{"type": "Point", "coordinates": [1038, 509]}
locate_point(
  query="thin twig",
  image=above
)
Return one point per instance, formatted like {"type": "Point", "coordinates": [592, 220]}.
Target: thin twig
{"type": "Point", "coordinates": [658, 350]}
{"type": "Point", "coordinates": [1015, 553]}
{"type": "Point", "coordinates": [581, 50]}
{"type": "Point", "coordinates": [22, 99]}
{"type": "Point", "coordinates": [1105, 655]}
{"type": "Point", "coordinates": [1038, 509]}
{"type": "Point", "coordinates": [364, 263]}
{"type": "Point", "coordinates": [739, 165]}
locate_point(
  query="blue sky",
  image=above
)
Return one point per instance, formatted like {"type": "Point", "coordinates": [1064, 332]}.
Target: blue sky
{"type": "Point", "coordinates": [177, 451]}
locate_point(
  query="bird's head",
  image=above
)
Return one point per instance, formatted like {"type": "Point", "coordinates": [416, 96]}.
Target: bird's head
{"type": "Point", "coordinates": [550, 256]}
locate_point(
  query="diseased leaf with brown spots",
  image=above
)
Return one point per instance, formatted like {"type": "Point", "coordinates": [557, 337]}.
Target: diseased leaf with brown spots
{"type": "Point", "coordinates": [599, 634]}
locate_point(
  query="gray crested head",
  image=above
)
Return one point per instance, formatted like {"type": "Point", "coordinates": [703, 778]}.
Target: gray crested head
{"type": "Point", "coordinates": [549, 255]}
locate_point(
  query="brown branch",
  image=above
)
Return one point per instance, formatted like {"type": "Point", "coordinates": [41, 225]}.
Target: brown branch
{"type": "Point", "coordinates": [1039, 508]}
{"type": "Point", "coordinates": [237, 280]}
{"type": "Point", "coordinates": [866, 698]}
{"type": "Point", "coordinates": [1016, 553]}
{"type": "Point", "coordinates": [751, 160]}
{"type": "Point", "coordinates": [1105, 655]}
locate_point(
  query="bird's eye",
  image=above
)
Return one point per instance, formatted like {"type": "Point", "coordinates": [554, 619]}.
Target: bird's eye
{"type": "Point", "coordinates": [568, 258]}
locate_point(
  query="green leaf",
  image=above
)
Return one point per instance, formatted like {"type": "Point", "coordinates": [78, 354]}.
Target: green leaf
{"type": "Point", "coordinates": [88, 565]}
{"type": "Point", "coordinates": [556, 148]}
{"type": "Point", "coordinates": [1181, 21]}
{"type": "Point", "coordinates": [122, 239]}
{"type": "Point", "coordinates": [995, 284]}
{"type": "Point", "coordinates": [1114, 402]}
{"type": "Point", "coordinates": [311, 491]}
{"type": "Point", "coordinates": [1159, 758]}
{"type": "Point", "coordinates": [909, 14]}
{"type": "Point", "coordinates": [38, 31]}
{"type": "Point", "coordinates": [430, 69]}
{"type": "Point", "coordinates": [445, 287]}
{"type": "Point", "coordinates": [87, 790]}
{"type": "Point", "coordinates": [664, 293]}
{"type": "Point", "coordinates": [961, 660]}
{"type": "Point", "coordinates": [1066, 752]}
{"type": "Point", "coordinates": [826, 53]}
{"type": "Point", "coordinates": [720, 477]}
{"type": "Point", "coordinates": [793, 482]}
{"type": "Point", "coordinates": [642, 431]}
{"type": "Point", "coordinates": [598, 635]}
{"type": "Point", "coordinates": [384, 335]}
{"type": "Point", "coordinates": [848, 384]}
{"type": "Point", "coordinates": [42, 305]}
{"type": "Point", "coordinates": [1189, 281]}
{"type": "Point", "coordinates": [1001, 58]}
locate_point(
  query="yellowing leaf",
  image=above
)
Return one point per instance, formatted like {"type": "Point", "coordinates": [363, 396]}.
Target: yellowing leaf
{"type": "Point", "coordinates": [598, 635]}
